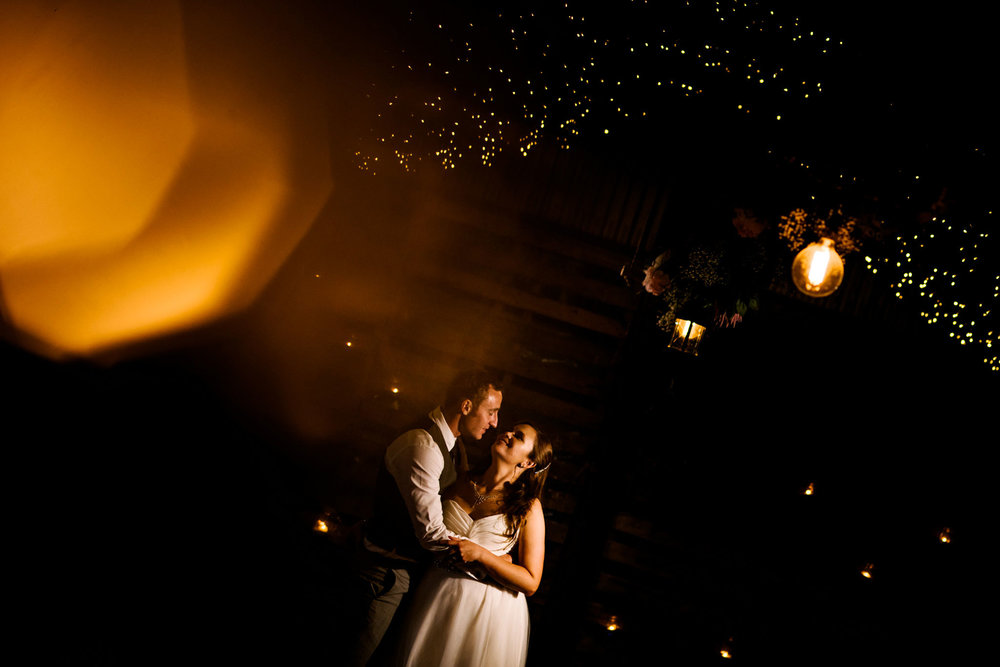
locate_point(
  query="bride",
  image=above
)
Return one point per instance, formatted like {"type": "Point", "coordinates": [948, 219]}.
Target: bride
{"type": "Point", "coordinates": [470, 609]}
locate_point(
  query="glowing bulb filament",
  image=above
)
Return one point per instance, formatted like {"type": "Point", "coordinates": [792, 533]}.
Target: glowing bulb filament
{"type": "Point", "coordinates": [818, 265]}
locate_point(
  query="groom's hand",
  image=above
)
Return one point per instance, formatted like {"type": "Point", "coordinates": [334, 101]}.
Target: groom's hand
{"type": "Point", "coordinates": [468, 550]}
{"type": "Point", "coordinates": [458, 553]}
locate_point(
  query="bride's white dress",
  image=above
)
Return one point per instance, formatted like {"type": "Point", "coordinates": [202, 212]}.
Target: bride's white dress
{"type": "Point", "coordinates": [458, 621]}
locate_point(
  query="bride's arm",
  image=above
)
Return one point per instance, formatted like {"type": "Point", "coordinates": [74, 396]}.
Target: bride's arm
{"type": "Point", "coordinates": [527, 574]}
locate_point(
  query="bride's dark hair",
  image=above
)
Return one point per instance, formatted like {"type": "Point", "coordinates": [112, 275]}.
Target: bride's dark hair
{"type": "Point", "coordinates": [522, 492]}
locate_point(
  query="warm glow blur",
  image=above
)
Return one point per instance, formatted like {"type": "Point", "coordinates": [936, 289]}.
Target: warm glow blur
{"type": "Point", "coordinates": [945, 535]}
{"type": "Point", "coordinates": [818, 270]}
{"type": "Point", "coordinates": [137, 196]}
{"type": "Point", "coordinates": [395, 390]}
{"type": "Point", "coordinates": [612, 624]}
{"type": "Point", "coordinates": [321, 526]}
{"type": "Point", "coordinates": [809, 489]}
{"type": "Point", "coordinates": [866, 571]}
{"type": "Point", "coordinates": [818, 265]}
{"type": "Point", "coordinates": [725, 654]}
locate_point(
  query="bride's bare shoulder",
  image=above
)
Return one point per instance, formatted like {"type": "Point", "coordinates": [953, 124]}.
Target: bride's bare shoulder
{"type": "Point", "coordinates": [536, 508]}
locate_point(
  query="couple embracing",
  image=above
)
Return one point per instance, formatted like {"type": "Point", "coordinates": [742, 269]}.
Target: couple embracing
{"type": "Point", "coordinates": [444, 536]}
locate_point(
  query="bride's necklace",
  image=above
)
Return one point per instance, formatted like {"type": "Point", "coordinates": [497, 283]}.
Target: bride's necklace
{"type": "Point", "coordinates": [480, 498]}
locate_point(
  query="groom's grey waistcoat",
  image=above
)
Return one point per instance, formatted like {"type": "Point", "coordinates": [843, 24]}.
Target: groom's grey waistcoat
{"type": "Point", "coordinates": [391, 527]}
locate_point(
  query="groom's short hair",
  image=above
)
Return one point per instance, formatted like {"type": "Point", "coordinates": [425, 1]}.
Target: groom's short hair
{"type": "Point", "coordinates": [473, 385]}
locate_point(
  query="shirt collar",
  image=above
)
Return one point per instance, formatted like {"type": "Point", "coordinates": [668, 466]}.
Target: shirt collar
{"type": "Point", "coordinates": [438, 418]}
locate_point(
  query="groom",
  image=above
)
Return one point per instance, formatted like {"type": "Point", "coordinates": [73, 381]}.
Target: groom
{"type": "Point", "coordinates": [407, 522]}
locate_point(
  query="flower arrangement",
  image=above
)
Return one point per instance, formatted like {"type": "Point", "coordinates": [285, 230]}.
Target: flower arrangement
{"type": "Point", "coordinates": [799, 228]}
{"type": "Point", "coordinates": [713, 283]}
{"type": "Point", "coordinates": [717, 281]}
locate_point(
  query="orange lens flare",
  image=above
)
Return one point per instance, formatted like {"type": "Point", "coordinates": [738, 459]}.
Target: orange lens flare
{"type": "Point", "coordinates": [131, 208]}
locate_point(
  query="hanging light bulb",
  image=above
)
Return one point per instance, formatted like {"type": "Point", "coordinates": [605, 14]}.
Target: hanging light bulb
{"type": "Point", "coordinates": [818, 270]}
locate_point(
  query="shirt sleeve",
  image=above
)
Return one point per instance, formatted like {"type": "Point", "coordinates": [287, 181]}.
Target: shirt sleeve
{"type": "Point", "coordinates": [416, 463]}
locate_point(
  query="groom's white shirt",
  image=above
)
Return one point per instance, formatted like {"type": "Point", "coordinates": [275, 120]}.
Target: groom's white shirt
{"type": "Point", "coordinates": [416, 463]}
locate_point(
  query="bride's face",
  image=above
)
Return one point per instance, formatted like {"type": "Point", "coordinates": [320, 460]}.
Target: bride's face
{"type": "Point", "coordinates": [515, 445]}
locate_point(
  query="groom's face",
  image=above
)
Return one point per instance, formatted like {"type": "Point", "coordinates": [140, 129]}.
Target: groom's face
{"type": "Point", "coordinates": [477, 419]}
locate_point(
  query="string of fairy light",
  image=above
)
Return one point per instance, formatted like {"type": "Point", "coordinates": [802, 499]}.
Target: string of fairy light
{"type": "Point", "coordinates": [972, 249]}
{"type": "Point", "coordinates": [487, 81]}
{"type": "Point", "coordinates": [509, 80]}
{"type": "Point", "coordinates": [943, 268]}
{"type": "Point", "coordinates": [869, 570]}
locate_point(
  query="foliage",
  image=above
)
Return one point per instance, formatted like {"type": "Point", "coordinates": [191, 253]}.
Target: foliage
{"type": "Point", "coordinates": [799, 228]}
{"type": "Point", "coordinates": [712, 283]}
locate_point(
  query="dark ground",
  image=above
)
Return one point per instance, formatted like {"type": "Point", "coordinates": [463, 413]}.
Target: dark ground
{"type": "Point", "coordinates": [151, 516]}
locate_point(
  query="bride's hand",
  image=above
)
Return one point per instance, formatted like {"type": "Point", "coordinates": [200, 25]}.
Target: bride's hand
{"type": "Point", "coordinates": [467, 549]}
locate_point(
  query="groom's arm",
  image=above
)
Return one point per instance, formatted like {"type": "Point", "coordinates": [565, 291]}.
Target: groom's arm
{"type": "Point", "coordinates": [416, 463]}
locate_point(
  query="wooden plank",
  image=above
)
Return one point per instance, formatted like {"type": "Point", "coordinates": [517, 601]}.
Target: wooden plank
{"type": "Point", "coordinates": [544, 268]}
{"type": "Point", "coordinates": [536, 232]}
{"type": "Point", "coordinates": [502, 354]}
{"type": "Point", "coordinates": [642, 219]}
{"type": "Point", "coordinates": [418, 371]}
{"type": "Point", "coordinates": [645, 237]}
{"type": "Point", "coordinates": [516, 298]}
{"type": "Point", "coordinates": [564, 411]}
{"type": "Point", "coordinates": [560, 501]}
{"type": "Point", "coordinates": [500, 345]}
{"type": "Point", "coordinates": [461, 317]}
{"type": "Point", "coordinates": [555, 531]}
